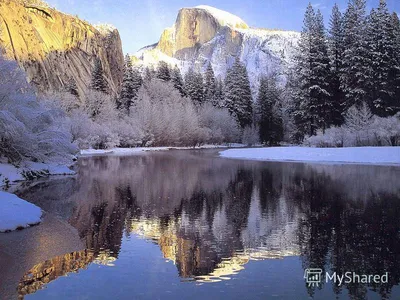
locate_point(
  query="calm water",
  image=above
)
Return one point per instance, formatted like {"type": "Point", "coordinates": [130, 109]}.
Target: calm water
{"type": "Point", "coordinates": [187, 224]}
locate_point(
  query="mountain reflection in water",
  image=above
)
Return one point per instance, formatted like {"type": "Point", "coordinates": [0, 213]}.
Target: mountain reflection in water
{"type": "Point", "coordinates": [211, 216]}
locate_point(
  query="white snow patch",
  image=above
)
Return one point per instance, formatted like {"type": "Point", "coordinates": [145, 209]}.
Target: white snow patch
{"type": "Point", "coordinates": [128, 151]}
{"type": "Point", "coordinates": [16, 213]}
{"type": "Point", "coordinates": [13, 173]}
{"type": "Point", "coordinates": [358, 155]}
{"type": "Point", "coordinates": [224, 18]}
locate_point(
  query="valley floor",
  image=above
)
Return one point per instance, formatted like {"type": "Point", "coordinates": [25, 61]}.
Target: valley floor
{"type": "Point", "coordinates": [357, 155]}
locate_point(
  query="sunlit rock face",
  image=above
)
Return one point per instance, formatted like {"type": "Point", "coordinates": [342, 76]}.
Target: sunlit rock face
{"type": "Point", "coordinates": [204, 34]}
{"type": "Point", "coordinates": [52, 46]}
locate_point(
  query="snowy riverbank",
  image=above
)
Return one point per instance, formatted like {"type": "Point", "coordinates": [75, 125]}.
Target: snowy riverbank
{"type": "Point", "coordinates": [29, 170]}
{"type": "Point", "coordinates": [357, 155]}
{"type": "Point", "coordinates": [131, 151]}
{"type": "Point", "coordinates": [16, 213]}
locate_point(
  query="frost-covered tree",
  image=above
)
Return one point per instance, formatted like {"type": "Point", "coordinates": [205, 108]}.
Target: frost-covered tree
{"type": "Point", "coordinates": [194, 87]}
{"type": "Point", "coordinates": [177, 80]}
{"type": "Point", "coordinates": [238, 97]}
{"type": "Point", "coordinates": [358, 118]}
{"type": "Point", "coordinates": [381, 50]}
{"type": "Point", "coordinates": [221, 124]}
{"type": "Point", "coordinates": [28, 129]}
{"type": "Point", "coordinates": [336, 50]}
{"type": "Point", "coordinates": [166, 118]}
{"type": "Point", "coordinates": [163, 71]}
{"type": "Point", "coordinates": [209, 85]}
{"type": "Point", "coordinates": [356, 62]}
{"type": "Point", "coordinates": [269, 122]}
{"type": "Point", "coordinates": [98, 81]}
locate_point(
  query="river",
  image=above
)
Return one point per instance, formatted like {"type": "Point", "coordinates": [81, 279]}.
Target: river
{"type": "Point", "coordinates": [189, 224]}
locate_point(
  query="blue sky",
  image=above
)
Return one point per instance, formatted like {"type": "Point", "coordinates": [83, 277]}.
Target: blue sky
{"type": "Point", "coordinates": [141, 22]}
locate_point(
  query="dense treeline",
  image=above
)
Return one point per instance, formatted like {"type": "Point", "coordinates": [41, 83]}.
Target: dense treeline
{"type": "Point", "coordinates": [353, 68]}
{"type": "Point", "coordinates": [343, 90]}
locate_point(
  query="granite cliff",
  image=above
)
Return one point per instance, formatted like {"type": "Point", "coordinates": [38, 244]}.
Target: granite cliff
{"type": "Point", "coordinates": [204, 34]}
{"type": "Point", "coordinates": [52, 46]}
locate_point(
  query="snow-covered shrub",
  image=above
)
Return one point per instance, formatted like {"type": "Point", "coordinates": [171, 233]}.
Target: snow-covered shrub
{"type": "Point", "coordinates": [333, 137]}
{"type": "Point", "coordinates": [361, 129]}
{"type": "Point", "coordinates": [28, 129]}
{"type": "Point", "coordinates": [128, 131]}
{"type": "Point", "coordinates": [387, 130]}
{"type": "Point", "coordinates": [358, 123]}
{"type": "Point", "coordinates": [251, 136]}
{"type": "Point", "coordinates": [165, 118]}
{"type": "Point", "coordinates": [223, 126]}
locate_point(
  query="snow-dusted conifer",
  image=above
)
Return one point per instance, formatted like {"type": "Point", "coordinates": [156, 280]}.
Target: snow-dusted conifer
{"type": "Point", "coordinates": [209, 85]}
{"type": "Point", "coordinates": [381, 43]}
{"type": "Point", "coordinates": [176, 78]}
{"type": "Point", "coordinates": [238, 98]}
{"type": "Point", "coordinates": [356, 63]}
{"type": "Point", "coordinates": [336, 50]}
{"type": "Point", "coordinates": [394, 76]}
{"type": "Point", "coordinates": [127, 93]}
{"type": "Point", "coordinates": [98, 81]}
{"type": "Point", "coordinates": [219, 98]}
{"type": "Point", "coordinates": [269, 123]}
{"type": "Point", "coordinates": [163, 71]}
{"type": "Point", "coordinates": [194, 86]}
{"type": "Point", "coordinates": [321, 106]}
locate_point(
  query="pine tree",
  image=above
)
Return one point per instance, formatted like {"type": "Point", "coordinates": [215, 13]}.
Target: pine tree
{"type": "Point", "coordinates": [209, 85]}
{"type": "Point", "coordinates": [394, 75]}
{"type": "Point", "coordinates": [336, 50]}
{"type": "Point", "coordinates": [219, 98]}
{"type": "Point", "coordinates": [238, 98]}
{"type": "Point", "coordinates": [177, 80]}
{"type": "Point", "coordinates": [194, 86]}
{"type": "Point", "coordinates": [356, 62]}
{"type": "Point", "coordinates": [98, 81]}
{"type": "Point", "coordinates": [313, 99]}
{"type": "Point", "coordinates": [381, 45]}
{"type": "Point", "coordinates": [320, 91]}
{"type": "Point", "coordinates": [149, 74]}
{"type": "Point", "coordinates": [127, 94]}
{"type": "Point", "coordinates": [71, 87]}
{"type": "Point", "coordinates": [269, 123]}
{"type": "Point", "coordinates": [137, 81]}
{"type": "Point", "coordinates": [163, 71]}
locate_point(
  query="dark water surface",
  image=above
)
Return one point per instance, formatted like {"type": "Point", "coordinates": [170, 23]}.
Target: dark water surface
{"type": "Point", "coordinates": [188, 224]}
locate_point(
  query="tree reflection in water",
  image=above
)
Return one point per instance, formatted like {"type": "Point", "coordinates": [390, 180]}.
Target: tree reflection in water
{"type": "Point", "coordinates": [210, 216]}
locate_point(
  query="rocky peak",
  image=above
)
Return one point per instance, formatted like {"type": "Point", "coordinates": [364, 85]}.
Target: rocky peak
{"type": "Point", "coordinates": [202, 35]}
{"type": "Point", "coordinates": [53, 47]}
{"type": "Point", "coordinates": [194, 27]}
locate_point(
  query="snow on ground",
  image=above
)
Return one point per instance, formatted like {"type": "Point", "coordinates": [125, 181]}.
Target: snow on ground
{"type": "Point", "coordinates": [12, 173]}
{"type": "Point", "coordinates": [17, 213]}
{"type": "Point", "coordinates": [131, 151]}
{"type": "Point", "coordinates": [358, 155]}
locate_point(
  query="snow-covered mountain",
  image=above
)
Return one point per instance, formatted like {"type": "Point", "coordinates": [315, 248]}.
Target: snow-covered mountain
{"type": "Point", "coordinates": [205, 34]}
